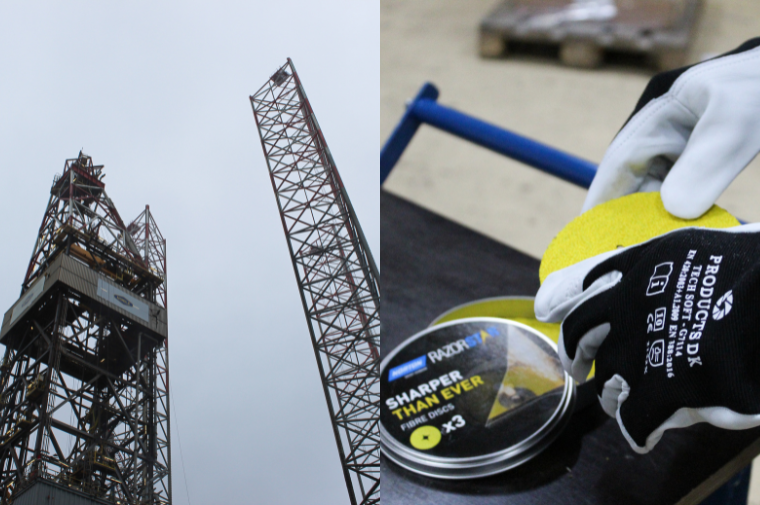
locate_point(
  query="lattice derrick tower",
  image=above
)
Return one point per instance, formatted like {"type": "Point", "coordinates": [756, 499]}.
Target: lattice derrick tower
{"type": "Point", "coordinates": [84, 399]}
{"type": "Point", "coordinates": [335, 271]}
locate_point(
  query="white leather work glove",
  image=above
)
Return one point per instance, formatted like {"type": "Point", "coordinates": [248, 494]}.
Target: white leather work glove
{"type": "Point", "coordinates": [693, 130]}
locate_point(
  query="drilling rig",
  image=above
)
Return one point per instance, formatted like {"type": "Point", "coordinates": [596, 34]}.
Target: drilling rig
{"type": "Point", "coordinates": [84, 381]}
{"type": "Point", "coordinates": [336, 274]}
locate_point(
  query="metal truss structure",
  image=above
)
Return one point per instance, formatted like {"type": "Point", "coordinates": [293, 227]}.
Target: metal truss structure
{"type": "Point", "coordinates": [84, 397]}
{"type": "Point", "coordinates": [335, 271]}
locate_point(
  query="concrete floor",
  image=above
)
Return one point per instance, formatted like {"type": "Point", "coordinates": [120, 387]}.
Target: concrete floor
{"type": "Point", "coordinates": [575, 110]}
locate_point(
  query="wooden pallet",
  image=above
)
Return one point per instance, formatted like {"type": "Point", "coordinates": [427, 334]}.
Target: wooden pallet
{"type": "Point", "coordinates": [584, 30]}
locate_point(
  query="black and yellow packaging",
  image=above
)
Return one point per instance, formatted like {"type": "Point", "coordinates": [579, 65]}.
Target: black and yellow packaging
{"type": "Point", "coordinates": [471, 398]}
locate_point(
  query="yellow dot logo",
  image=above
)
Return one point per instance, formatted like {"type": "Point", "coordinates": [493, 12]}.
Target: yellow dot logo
{"type": "Point", "coordinates": [425, 437]}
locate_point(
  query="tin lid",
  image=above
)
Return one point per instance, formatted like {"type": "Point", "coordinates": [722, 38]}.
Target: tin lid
{"type": "Point", "coordinates": [471, 398]}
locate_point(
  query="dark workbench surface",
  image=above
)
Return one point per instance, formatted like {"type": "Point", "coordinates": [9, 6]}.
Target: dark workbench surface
{"type": "Point", "coordinates": [429, 265]}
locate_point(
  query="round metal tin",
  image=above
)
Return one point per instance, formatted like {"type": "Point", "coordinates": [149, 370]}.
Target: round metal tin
{"type": "Point", "coordinates": [471, 398]}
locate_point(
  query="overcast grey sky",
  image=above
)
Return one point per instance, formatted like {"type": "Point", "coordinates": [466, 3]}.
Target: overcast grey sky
{"type": "Point", "coordinates": [158, 93]}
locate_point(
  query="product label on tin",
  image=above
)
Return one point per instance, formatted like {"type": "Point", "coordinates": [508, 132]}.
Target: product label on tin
{"type": "Point", "coordinates": [470, 388]}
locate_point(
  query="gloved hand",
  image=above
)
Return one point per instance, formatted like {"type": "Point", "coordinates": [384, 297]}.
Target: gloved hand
{"type": "Point", "coordinates": [674, 326]}
{"type": "Point", "coordinates": [696, 127]}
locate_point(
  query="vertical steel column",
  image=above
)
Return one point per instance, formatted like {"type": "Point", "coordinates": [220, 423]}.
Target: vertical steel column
{"type": "Point", "coordinates": [336, 274]}
{"type": "Point", "coordinates": [151, 242]}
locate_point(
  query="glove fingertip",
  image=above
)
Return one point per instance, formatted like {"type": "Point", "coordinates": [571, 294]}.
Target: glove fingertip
{"type": "Point", "coordinates": [562, 290]}
{"type": "Point", "coordinates": [580, 365]}
{"type": "Point", "coordinates": [685, 204]}
{"type": "Point", "coordinates": [551, 302]}
{"type": "Point", "coordinates": [542, 305]}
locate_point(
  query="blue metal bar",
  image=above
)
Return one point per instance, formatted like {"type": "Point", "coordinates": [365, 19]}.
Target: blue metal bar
{"type": "Point", "coordinates": [425, 109]}
{"type": "Point", "coordinates": [405, 130]}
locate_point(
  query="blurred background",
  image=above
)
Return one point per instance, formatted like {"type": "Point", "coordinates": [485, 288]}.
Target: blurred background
{"type": "Point", "coordinates": [574, 109]}
{"type": "Point", "coordinates": [530, 92]}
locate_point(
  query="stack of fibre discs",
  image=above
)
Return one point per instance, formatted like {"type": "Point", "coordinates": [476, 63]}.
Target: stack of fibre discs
{"type": "Point", "coordinates": [471, 398]}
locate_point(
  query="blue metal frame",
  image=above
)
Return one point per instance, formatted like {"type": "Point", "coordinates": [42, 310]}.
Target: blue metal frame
{"type": "Point", "coordinates": [425, 109]}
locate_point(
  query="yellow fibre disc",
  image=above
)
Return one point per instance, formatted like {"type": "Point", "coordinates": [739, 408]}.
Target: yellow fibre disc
{"type": "Point", "coordinates": [625, 221]}
{"type": "Point", "coordinates": [505, 307]}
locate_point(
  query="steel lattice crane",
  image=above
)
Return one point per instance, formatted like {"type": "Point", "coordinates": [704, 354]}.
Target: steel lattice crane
{"type": "Point", "coordinates": [335, 271]}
